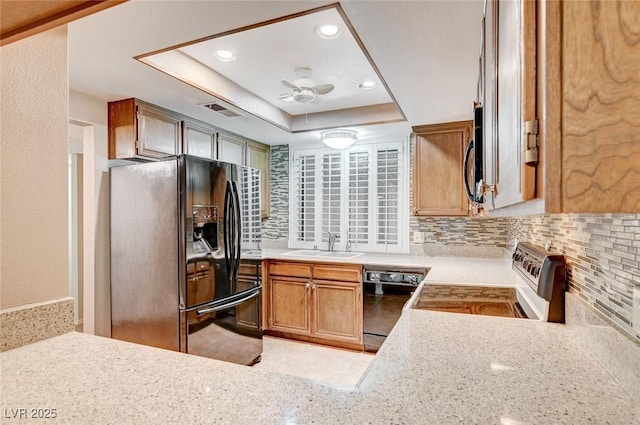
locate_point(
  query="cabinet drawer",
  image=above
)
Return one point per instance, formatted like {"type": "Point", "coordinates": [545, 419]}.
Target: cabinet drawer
{"type": "Point", "coordinates": [343, 274]}
{"type": "Point", "coordinates": [290, 269]}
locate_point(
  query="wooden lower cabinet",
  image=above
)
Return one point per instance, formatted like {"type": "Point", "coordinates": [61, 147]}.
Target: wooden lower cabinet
{"type": "Point", "coordinates": [315, 302]}
{"type": "Point", "coordinates": [338, 310]}
{"type": "Point", "coordinates": [289, 300]}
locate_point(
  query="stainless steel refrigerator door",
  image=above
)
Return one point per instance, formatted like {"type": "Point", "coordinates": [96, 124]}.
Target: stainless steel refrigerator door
{"type": "Point", "coordinates": [216, 227]}
{"type": "Point", "coordinates": [228, 330]}
{"type": "Point", "coordinates": [144, 253]}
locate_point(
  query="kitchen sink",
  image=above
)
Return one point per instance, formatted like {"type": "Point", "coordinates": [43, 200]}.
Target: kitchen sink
{"type": "Point", "coordinates": [341, 255]}
{"type": "Point", "coordinates": [322, 254]}
{"type": "Point", "coordinates": [304, 253]}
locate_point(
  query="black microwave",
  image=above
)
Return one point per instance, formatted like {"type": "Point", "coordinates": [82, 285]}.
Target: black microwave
{"type": "Point", "coordinates": [473, 170]}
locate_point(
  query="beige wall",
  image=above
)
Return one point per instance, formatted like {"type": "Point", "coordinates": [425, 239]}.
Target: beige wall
{"type": "Point", "coordinates": [33, 155]}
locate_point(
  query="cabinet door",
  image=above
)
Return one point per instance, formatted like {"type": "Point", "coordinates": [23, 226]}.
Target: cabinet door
{"type": "Point", "coordinates": [231, 149]}
{"type": "Point", "coordinates": [289, 305]}
{"type": "Point", "coordinates": [199, 139]}
{"type": "Point", "coordinates": [258, 156]}
{"type": "Point", "coordinates": [510, 100]}
{"type": "Point", "coordinates": [438, 181]}
{"type": "Point", "coordinates": [158, 132]}
{"type": "Point", "coordinates": [337, 311]}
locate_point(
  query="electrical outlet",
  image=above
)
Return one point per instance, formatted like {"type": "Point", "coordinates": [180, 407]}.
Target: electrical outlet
{"type": "Point", "coordinates": [418, 237]}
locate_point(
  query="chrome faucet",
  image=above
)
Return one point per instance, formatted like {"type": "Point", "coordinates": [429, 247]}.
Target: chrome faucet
{"type": "Point", "coordinates": [332, 240]}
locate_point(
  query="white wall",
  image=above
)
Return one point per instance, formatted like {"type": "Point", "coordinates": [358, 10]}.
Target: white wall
{"type": "Point", "coordinates": [87, 109]}
{"type": "Point", "coordinates": [33, 156]}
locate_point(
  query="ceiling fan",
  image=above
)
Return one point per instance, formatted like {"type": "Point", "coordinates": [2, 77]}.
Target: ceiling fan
{"type": "Point", "coordinates": [304, 89]}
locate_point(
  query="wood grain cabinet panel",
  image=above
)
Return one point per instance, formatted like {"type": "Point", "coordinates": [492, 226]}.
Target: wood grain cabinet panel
{"type": "Point", "coordinates": [438, 185]}
{"type": "Point", "coordinates": [290, 269]}
{"type": "Point", "coordinates": [581, 61]}
{"type": "Point", "coordinates": [259, 156]}
{"type": "Point", "coordinates": [339, 273]}
{"type": "Point", "coordinates": [325, 306]}
{"type": "Point", "coordinates": [138, 129]}
{"type": "Point", "coordinates": [601, 106]}
{"type": "Point", "coordinates": [338, 311]}
{"type": "Point", "coordinates": [289, 305]}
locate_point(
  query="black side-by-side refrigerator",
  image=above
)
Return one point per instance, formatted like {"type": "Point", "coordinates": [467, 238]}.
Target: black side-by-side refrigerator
{"type": "Point", "coordinates": [185, 257]}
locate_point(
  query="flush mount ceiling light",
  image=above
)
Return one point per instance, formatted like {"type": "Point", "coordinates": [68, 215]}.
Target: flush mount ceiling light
{"type": "Point", "coordinates": [328, 31]}
{"type": "Point", "coordinates": [339, 139]}
{"type": "Point", "coordinates": [225, 55]}
{"type": "Point", "coordinates": [366, 85]}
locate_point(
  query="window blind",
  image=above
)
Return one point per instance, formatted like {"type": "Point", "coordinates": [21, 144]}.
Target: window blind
{"type": "Point", "coordinates": [305, 176]}
{"type": "Point", "coordinates": [250, 205]}
{"type": "Point", "coordinates": [358, 214]}
{"type": "Point", "coordinates": [387, 194]}
{"type": "Point", "coordinates": [331, 196]}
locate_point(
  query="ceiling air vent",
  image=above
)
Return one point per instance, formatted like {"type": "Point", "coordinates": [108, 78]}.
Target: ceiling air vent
{"type": "Point", "coordinates": [222, 110]}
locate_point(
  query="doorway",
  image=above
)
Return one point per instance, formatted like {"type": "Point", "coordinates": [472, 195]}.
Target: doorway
{"type": "Point", "coordinates": [81, 222]}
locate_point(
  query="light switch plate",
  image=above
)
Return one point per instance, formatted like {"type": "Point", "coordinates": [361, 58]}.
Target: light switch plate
{"type": "Point", "coordinates": [418, 237]}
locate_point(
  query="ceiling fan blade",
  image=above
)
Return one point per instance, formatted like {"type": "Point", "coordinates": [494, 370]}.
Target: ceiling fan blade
{"type": "Point", "coordinates": [287, 97]}
{"type": "Point", "coordinates": [323, 88]}
{"type": "Point", "coordinates": [289, 84]}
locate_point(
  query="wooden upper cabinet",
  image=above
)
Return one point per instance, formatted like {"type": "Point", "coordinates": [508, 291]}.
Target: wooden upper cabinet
{"type": "Point", "coordinates": [138, 129]}
{"type": "Point", "coordinates": [199, 139]}
{"type": "Point", "coordinates": [438, 181]}
{"type": "Point", "coordinates": [578, 67]}
{"type": "Point", "coordinates": [600, 65]}
{"type": "Point", "coordinates": [509, 80]}
{"type": "Point", "coordinates": [258, 156]}
{"type": "Point", "coordinates": [231, 148]}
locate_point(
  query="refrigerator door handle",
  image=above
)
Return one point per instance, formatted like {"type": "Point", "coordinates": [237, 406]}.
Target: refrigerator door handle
{"type": "Point", "coordinates": [238, 229]}
{"type": "Point", "coordinates": [254, 293]}
{"type": "Point", "coordinates": [227, 229]}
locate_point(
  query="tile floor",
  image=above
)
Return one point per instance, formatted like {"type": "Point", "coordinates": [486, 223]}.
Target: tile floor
{"type": "Point", "coordinates": [332, 366]}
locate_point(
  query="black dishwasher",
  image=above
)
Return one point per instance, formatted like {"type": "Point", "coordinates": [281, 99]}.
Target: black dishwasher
{"type": "Point", "coordinates": [386, 290]}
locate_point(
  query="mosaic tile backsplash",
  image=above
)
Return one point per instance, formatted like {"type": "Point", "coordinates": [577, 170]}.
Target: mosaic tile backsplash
{"type": "Point", "coordinates": [276, 226]}
{"type": "Point", "coordinates": [603, 258]}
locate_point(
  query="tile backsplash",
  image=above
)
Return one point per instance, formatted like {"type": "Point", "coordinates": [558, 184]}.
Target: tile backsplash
{"type": "Point", "coordinates": [603, 258]}
{"type": "Point", "coordinates": [275, 228]}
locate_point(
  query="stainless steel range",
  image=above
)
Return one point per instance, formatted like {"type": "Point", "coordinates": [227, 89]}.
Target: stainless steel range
{"type": "Point", "coordinates": [537, 293]}
{"type": "Point", "coordinates": [540, 282]}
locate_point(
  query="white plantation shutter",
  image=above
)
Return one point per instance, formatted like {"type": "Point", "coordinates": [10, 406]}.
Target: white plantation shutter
{"type": "Point", "coordinates": [387, 195]}
{"type": "Point", "coordinates": [358, 210]}
{"type": "Point", "coordinates": [250, 206]}
{"type": "Point", "coordinates": [305, 198]}
{"type": "Point", "coordinates": [331, 195]}
{"type": "Point", "coordinates": [360, 193]}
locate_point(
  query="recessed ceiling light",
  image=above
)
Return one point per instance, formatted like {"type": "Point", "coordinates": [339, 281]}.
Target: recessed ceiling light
{"type": "Point", "coordinates": [366, 85]}
{"type": "Point", "coordinates": [225, 55]}
{"type": "Point", "coordinates": [328, 31]}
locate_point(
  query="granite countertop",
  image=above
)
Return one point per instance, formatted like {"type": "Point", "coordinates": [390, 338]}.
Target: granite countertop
{"type": "Point", "coordinates": [434, 368]}
{"type": "Point", "coordinates": [454, 270]}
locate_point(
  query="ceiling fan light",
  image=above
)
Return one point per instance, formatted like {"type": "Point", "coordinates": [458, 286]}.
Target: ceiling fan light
{"type": "Point", "coordinates": [339, 139]}
{"type": "Point", "coordinates": [328, 31]}
{"type": "Point", "coordinates": [304, 95]}
{"type": "Point", "coordinates": [225, 55]}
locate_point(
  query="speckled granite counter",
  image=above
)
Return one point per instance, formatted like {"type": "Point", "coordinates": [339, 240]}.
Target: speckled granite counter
{"type": "Point", "coordinates": [457, 270]}
{"type": "Point", "coordinates": [434, 368]}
